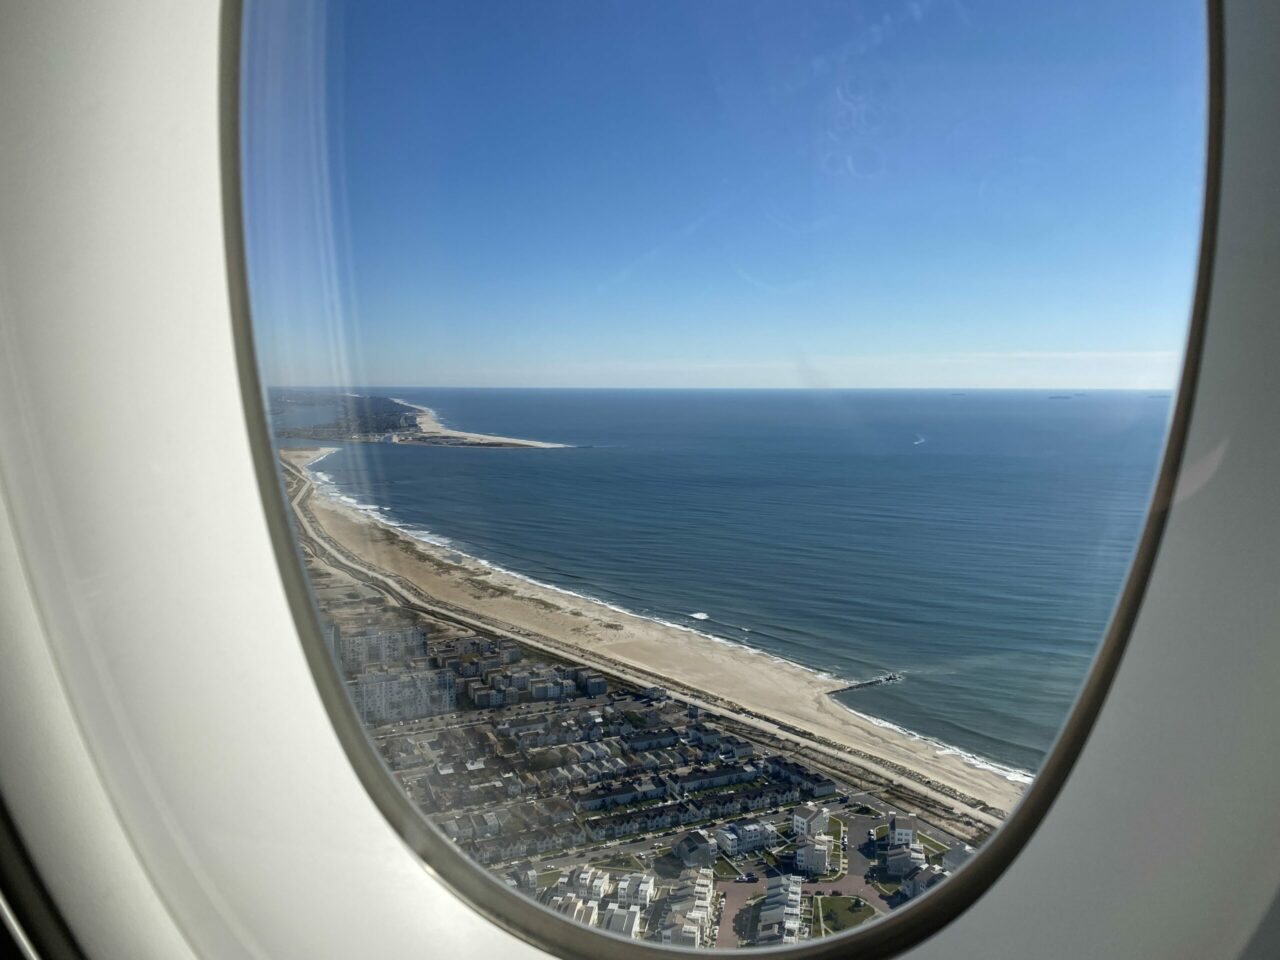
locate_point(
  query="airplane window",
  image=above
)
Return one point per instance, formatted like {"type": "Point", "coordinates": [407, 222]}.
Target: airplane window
{"type": "Point", "coordinates": [717, 434]}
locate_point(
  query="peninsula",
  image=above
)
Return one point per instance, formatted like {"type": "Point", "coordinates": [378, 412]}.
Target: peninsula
{"type": "Point", "coordinates": [430, 430]}
{"type": "Point", "coordinates": [375, 419]}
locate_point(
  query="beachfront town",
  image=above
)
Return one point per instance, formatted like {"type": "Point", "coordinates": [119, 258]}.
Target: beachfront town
{"type": "Point", "coordinates": [620, 807]}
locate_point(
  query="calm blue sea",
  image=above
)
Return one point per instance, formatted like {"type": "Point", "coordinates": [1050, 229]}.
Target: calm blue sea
{"type": "Point", "coordinates": [975, 542]}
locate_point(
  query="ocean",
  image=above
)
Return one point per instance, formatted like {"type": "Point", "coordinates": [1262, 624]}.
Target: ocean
{"type": "Point", "coordinates": [973, 541]}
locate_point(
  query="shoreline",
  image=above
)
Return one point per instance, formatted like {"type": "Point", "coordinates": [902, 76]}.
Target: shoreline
{"type": "Point", "coordinates": [754, 687]}
{"type": "Point", "coordinates": [1017, 775]}
{"type": "Point", "coordinates": [430, 427]}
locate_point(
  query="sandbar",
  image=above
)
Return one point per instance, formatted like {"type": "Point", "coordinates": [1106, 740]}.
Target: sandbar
{"type": "Point", "coordinates": [430, 427]}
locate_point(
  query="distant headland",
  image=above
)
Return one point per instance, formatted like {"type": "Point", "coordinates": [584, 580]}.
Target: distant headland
{"type": "Point", "coordinates": [376, 419]}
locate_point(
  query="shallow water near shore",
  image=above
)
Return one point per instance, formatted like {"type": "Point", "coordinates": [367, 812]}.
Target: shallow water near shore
{"type": "Point", "coordinates": [974, 542]}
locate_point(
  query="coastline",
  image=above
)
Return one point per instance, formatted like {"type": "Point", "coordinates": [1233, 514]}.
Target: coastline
{"type": "Point", "coordinates": [430, 427]}
{"type": "Point", "coordinates": [757, 689]}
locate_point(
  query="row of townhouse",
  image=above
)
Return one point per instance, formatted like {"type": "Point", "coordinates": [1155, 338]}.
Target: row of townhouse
{"type": "Point", "coordinates": [746, 836]}
{"type": "Point", "coordinates": [589, 883]}
{"type": "Point", "coordinates": [688, 913]}
{"type": "Point", "coordinates": [623, 921]}
{"type": "Point", "coordinates": [469, 826]}
{"type": "Point", "coordinates": [717, 806]}
{"type": "Point", "coordinates": [668, 816]}
{"type": "Point", "coordinates": [646, 820]}
{"type": "Point", "coordinates": [814, 784]}
{"type": "Point", "coordinates": [515, 845]}
{"type": "Point", "coordinates": [652, 761]}
{"type": "Point", "coordinates": [766, 796]}
{"type": "Point", "coordinates": [616, 918]}
{"type": "Point", "coordinates": [711, 807]}
{"type": "Point", "coordinates": [604, 749]}
{"type": "Point", "coordinates": [663, 817]}
{"type": "Point", "coordinates": [618, 795]}
{"type": "Point", "coordinates": [635, 889]}
{"type": "Point", "coordinates": [703, 734]}
{"type": "Point", "coordinates": [652, 739]}
{"type": "Point", "coordinates": [551, 731]}
{"type": "Point", "coordinates": [575, 773]}
{"type": "Point", "coordinates": [708, 778]}
{"type": "Point", "coordinates": [522, 818]}
{"type": "Point", "coordinates": [586, 912]}
{"type": "Point", "coordinates": [735, 748]}
{"type": "Point", "coordinates": [779, 918]}
{"type": "Point", "coordinates": [560, 779]}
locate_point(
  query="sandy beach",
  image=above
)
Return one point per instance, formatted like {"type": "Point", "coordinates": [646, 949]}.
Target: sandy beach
{"type": "Point", "coordinates": [429, 426]}
{"type": "Point", "coordinates": [771, 694]}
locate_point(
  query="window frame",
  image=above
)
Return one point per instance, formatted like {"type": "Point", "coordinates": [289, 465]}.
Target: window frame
{"type": "Point", "coordinates": [533, 923]}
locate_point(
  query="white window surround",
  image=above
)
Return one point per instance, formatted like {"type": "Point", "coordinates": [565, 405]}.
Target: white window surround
{"type": "Point", "coordinates": [165, 822]}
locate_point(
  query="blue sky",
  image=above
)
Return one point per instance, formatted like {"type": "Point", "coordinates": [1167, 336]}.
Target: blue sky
{"type": "Point", "coordinates": [751, 194]}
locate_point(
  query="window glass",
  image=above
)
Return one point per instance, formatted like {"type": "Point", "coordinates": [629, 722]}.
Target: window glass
{"type": "Point", "coordinates": [717, 433]}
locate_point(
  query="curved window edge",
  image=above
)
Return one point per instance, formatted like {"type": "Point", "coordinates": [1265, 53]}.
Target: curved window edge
{"type": "Point", "coordinates": [530, 921]}
{"type": "Point", "coordinates": [28, 912]}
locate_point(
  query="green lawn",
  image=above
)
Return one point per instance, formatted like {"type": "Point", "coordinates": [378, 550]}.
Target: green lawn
{"type": "Point", "coordinates": [842, 913]}
{"type": "Point", "coordinates": [626, 862]}
{"type": "Point", "coordinates": [865, 811]}
{"type": "Point", "coordinates": [882, 831]}
{"type": "Point", "coordinates": [931, 846]}
{"type": "Point", "coordinates": [548, 878]}
{"type": "Point", "coordinates": [724, 869]}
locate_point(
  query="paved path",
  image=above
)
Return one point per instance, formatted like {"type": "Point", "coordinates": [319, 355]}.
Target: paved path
{"type": "Point", "coordinates": [735, 896]}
